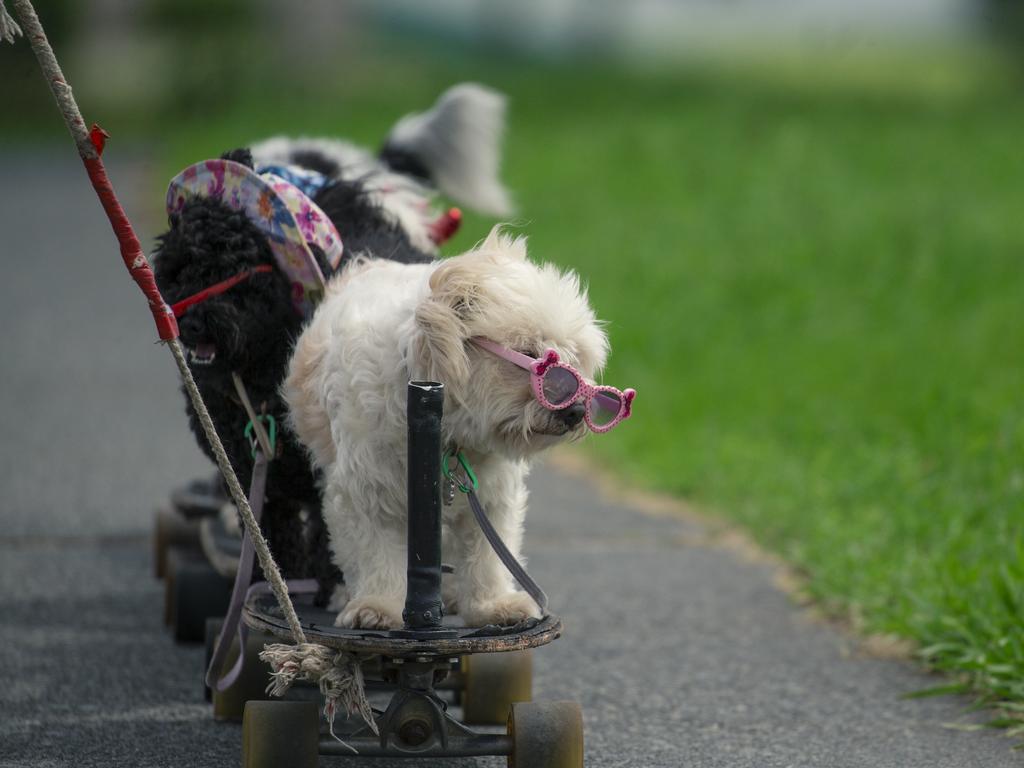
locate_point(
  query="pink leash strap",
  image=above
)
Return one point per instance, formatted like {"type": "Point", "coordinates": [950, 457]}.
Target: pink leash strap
{"type": "Point", "coordinates": [243, 590]}
{"type": "Point", "coordinates": [257, 487]}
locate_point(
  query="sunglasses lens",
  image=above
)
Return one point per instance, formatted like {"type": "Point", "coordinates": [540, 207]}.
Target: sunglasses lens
{"type": "Point", "coordinates": [604, 408]}
{"type": "Point", "coordinates": [559, 385]}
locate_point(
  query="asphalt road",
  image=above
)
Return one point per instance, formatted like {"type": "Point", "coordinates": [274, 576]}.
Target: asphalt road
{"type": "Point", "coordinates": [681, 654]}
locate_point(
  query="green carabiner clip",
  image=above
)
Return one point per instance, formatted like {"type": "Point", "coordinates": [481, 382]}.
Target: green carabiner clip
{"type": "Point", "coordinates": [271, 433]}
{"type": "Point", "coordinates": [470, 475]}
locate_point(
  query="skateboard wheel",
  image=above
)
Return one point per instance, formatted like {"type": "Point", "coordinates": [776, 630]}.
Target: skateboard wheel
{"type": "Point", "coordinates": [170, 529]}
{"type": "Point", "coordinates": [199, 498]}
{"type": "Point", "coordinates": [281, 733]}
{"type": "Point", "coordinates": [546, 735]}
{"type": "Point", "coordinates": [492, 683]}
{"type": "Point", "coordinates": [195, 593]}
{"type": "Point", "coordinates": [251, 684]}
{"type": "Point", "coordinates": [175, 557]}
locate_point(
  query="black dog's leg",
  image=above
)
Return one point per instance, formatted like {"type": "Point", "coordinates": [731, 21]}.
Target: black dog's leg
{"type": "Point", "coordinates": [283, 528]}
{"type": "Point", "coordinates": [326, 573]}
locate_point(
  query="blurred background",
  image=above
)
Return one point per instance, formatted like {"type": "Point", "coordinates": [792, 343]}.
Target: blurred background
{"type": "Point", "coordinates": [802, 220]}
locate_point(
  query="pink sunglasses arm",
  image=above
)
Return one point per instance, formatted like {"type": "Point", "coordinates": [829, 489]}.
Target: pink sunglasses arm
{"type": "Point", "coordinates": [516, 358]}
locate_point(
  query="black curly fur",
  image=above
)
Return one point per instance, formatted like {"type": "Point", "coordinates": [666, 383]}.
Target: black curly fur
{"type": "Point", "coordinates": [362, 226]}
{"type": "Point", "coordinates": [254, 328]}
{"type": "Point", "coordinates": [315, 161]}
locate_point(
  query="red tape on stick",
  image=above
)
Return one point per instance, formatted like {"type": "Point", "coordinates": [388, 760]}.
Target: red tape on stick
{"type": "Point", "coordinates": [98, 137]}
{"type": "Point", "coordinates": [131, 249]}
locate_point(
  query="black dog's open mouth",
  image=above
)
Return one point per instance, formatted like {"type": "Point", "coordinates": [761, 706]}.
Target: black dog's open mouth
{"type": "Point", "coordinates": [202, 353]}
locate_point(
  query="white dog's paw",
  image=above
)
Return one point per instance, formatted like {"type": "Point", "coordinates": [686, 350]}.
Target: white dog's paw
{"type": "Point", "coordinates": [449, 597]}
{"type": "Point", "coordinates": [339, 598]}
{"type": "Point", "coordinates": [451, 605]}
{"type": "Point", "coordinates": [372, 612]}
{"type": "Point", "coordinates": [504, 610]}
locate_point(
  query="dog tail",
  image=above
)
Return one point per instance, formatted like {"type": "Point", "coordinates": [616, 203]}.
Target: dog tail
{"type": "Point", "coordinates": [456, 144]}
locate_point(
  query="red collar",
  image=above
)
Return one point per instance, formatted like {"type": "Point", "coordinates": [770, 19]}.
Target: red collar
{"type": "Point", "coordinates": [178, 308]}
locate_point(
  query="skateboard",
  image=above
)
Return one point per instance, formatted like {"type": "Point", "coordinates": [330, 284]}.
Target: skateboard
{"type": "Point", "coordinates": [489, 669]}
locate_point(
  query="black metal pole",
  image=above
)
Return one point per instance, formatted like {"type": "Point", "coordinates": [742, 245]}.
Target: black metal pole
{"type": "Point", "coordinates": [423, 606]}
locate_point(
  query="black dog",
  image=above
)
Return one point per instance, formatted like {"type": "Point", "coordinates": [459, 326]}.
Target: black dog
{"type": "Point", "coordinates": [250, 329]}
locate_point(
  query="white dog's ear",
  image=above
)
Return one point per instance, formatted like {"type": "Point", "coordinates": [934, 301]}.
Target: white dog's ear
{"type": "Point", "coordinates": [458, 294]}
{"type": "Point", "coordinates": [441, 320]}
{"type": "Point", "coordinates": [500, 245]}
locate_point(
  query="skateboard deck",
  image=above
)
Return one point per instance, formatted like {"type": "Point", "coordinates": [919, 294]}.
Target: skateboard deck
{"type": "Point", "coordinates": [262, 613]}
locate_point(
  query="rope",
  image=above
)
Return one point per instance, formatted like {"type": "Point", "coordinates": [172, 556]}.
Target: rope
{"type": "Point", "coordinates": [33, 30]}
{"type": "Point", "coordinates": [270, 569]}
{"type": "Point", "coordinates": [338, 674]}
{"type": "Point", "coordinates": [9, 28]}
{"type": "Point", "coordinates": [90, 146]}
{"type": "Point", "coordinates": [137, 262]}
{"type": "Point", "coordinates": [343, 680]}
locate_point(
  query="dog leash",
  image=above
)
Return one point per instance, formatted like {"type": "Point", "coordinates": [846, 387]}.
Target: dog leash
{"type": "Point", "coordinates": [243, 590]}
{"type": "Point", "coordinates": [257, 424]}
{"type": "Point", "coordinates": [468, 485]}
{"type": "Point", "coordinates": [240, 589]}
{"type": "Point", "coordinates": [263, 450]}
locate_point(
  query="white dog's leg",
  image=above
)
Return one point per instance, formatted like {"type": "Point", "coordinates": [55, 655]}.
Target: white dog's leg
{"type": "Point", "coordinates": [339, 598]}
{"type": "Point", "coordinates": [484, 588]}
{"type": "Point", "coordinates": [449, 596]}
{"type": "Point", "coordinates": [369, 547]}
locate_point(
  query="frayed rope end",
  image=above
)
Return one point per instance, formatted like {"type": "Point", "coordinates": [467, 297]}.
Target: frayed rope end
{"type": "Point", "coordinates": [339, 676]}
{"type": "Point", "coordinates": [9, 28]}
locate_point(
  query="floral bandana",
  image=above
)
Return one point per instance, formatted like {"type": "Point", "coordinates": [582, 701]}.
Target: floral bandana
{"type": "Point", "coordinates": [279, 209]}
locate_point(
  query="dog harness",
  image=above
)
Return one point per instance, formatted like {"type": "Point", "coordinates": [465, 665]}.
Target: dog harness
{"type": "Point", "coordinates": [179, 307]}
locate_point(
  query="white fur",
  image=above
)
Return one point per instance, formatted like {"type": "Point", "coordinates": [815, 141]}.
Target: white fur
{"type": "Point", "coordinates": [353, 160]}
{"type": "Point", "coordinates": [382, 324]}
{"type": "Point", "coordinates": [459, 141]}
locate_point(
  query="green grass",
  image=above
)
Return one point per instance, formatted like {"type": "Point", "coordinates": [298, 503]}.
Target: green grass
{"type": "Point", "coordinates": [817, 291]}
{"type": "Point", "coordinates": [820, 301]}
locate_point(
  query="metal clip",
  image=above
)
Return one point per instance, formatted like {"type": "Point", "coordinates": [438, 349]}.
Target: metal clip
{"type": "Point", "coordinates": [467, 482]}
{"type": "Point", "coordinates": [265, 439]}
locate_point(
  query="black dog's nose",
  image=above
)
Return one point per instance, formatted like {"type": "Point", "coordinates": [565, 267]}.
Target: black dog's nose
{"type": "Point", "coordinates": [572, 415]}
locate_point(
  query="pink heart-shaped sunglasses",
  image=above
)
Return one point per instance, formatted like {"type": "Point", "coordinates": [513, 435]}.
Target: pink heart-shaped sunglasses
{"type": "Point", "coordinates": [557, 385]}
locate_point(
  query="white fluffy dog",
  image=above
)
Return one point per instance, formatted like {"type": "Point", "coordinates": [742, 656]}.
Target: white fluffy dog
{"type": "Point", "coordinates": [383, 323]}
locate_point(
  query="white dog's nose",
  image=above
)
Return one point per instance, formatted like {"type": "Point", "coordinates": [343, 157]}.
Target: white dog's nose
{"type": "Point", "coordinates": [572, 415]}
